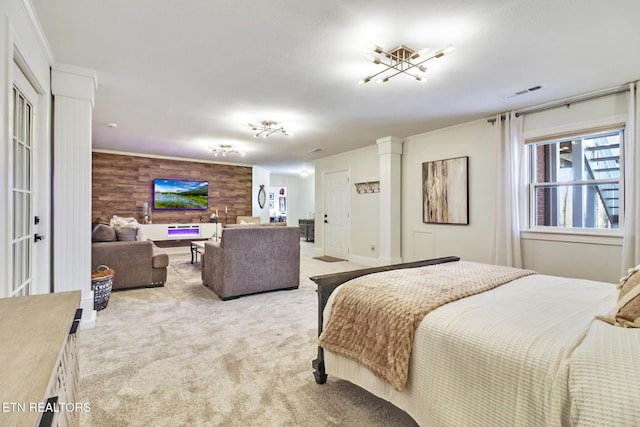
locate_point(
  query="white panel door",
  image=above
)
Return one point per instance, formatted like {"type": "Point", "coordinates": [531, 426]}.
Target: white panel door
{"type": "Point", "coordinates": [336, 214]}
{"type": "Point", "coordinates": [21, 253]}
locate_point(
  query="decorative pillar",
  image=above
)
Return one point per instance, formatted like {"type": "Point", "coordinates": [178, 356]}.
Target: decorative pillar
{"type": "Point", "coordinates": [73, 89]}
{"type": "Point", "coordinates": [390, 153]}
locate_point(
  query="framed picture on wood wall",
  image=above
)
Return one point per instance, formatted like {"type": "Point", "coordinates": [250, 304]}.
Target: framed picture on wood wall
{"type": "Point", "coordinates": [445, 191]}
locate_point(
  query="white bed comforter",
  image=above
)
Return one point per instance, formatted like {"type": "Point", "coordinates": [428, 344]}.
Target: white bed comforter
{"type": "Point", "coordinates": [515, 356]}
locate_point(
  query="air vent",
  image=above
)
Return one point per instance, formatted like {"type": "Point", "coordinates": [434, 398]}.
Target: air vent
{"type": "Point", "coordinates": [522, 92]}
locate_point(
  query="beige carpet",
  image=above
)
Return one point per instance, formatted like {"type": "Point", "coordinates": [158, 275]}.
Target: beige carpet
{"type": "Point", "coordinates": [178, 356]}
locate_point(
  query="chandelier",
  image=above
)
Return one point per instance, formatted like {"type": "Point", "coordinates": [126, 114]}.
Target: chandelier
{"type": "Point", "coordinates": [224, 149]}
{"type": "Point", "coordinates": [402, 60]}
{"type": "Point", "coordinates": [267, 128]}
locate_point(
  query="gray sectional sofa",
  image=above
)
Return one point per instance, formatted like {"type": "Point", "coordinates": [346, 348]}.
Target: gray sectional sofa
{"type": "Point", "coordinates": [136, 263]}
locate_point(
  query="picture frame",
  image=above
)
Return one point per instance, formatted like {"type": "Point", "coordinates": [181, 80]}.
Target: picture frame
{"type": "Point", "coordinates": [282, 204]}
{"type": "Point", "coordinates": [445, 191]}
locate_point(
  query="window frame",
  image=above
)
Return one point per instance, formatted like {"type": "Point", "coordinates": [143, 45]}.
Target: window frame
{"type": "Point", "coordinates": [560, 233]}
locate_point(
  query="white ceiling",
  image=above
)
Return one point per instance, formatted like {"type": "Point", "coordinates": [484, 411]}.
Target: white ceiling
{"type": "Point", "coordinates": [179, 77]}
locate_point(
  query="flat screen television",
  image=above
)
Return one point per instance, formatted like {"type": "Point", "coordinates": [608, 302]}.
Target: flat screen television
{"type": "Point", "coordinates": [180, 194]}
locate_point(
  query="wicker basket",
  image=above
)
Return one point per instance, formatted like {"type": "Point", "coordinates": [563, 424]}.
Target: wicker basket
{"type": "Point", "coordinates": [101, 282]}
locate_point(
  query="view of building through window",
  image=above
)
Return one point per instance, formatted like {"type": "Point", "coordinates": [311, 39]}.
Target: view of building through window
{"type": "Point", "coordinates": [576, 182]}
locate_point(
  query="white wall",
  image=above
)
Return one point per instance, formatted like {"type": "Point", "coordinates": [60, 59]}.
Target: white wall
{"type": "Point", "coordinates": [562, 255]}
{"type": "Point", "coordinates": [22, 38]}
{"type": "Point", "coordinates": [25, 49]}
{"type": "Point", "coordinates": [73, 89]}
{"type": "Point", "coordinates": [306, 197]}
{"type": "Point", "coordinates": [363, 165]}
{"type": "Point", "coordinates": [260, 176]}
{"type": "Point", "coordinates": [594, 261]}
{"type": "Point", "coordinates": [300, 196]}
{"type": "Point", "coordinates": [471, 242]}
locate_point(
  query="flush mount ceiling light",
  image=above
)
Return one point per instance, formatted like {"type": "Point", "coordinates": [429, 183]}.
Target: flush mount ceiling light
{"type": "Point", "coordinates": [224, 150]}
{"type": "Point", "coordinates": [402, 60]}
{"type": "Point", "coordinates": [267, 128]}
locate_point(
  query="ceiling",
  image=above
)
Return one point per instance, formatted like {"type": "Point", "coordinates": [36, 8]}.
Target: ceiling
{"type": "Point", "coordinates": [179, 78]}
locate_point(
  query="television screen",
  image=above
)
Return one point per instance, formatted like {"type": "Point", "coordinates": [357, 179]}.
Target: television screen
{"type": "Point", "coordinates": [180, 194]}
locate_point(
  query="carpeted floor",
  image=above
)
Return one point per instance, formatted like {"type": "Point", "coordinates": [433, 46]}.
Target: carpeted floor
{"type": "Point", "coordinates": [178, 356]}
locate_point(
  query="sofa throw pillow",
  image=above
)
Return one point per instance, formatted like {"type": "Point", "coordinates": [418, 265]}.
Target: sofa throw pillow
{"type": "Point", "coordinates": [627, 311]}
{"type": "Point", "coordinates": [127, 229]}
{"type": "Point", "coordinates": [103, 233]}
{"type": "Point", "coordinates": [126, 234]}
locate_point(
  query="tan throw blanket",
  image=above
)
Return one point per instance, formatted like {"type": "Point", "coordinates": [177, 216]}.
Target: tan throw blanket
{"type": "Point", "coordinates": [374, 317]}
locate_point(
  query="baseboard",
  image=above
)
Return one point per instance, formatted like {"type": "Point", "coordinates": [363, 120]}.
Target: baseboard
{"type": "Point", "coordinates": [88, 313]}
{"type": "Point", "coordinates": [389, 261]}
{"type": "Point", "coordinates": [368, 261]}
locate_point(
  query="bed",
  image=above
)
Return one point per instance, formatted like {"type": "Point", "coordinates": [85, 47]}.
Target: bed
{"type": "Point", "coordinates": [529, 352]}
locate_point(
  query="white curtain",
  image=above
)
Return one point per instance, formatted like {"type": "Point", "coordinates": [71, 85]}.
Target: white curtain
{"type": "Point", "coordinates": [509, 197]}
{"type": "Point", "coordinates": [630, 241]}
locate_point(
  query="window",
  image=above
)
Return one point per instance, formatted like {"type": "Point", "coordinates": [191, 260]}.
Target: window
{"type": "Point", "coordinates": [576, 180]}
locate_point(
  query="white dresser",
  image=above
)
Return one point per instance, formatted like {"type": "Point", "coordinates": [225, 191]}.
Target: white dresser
{"type": "Point", "coordinates": [39, 371]}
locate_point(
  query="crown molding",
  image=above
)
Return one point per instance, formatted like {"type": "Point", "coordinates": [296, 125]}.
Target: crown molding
{"type": "Point", "coordinates": [156, 156]}
{"type": "Point", "coordinates": [32, 17]}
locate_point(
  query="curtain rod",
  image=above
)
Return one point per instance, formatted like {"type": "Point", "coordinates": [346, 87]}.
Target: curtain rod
{"type": "Point", "coordinates": [574, 100]}
{"type": "Point", "coordinates": [566, 102]}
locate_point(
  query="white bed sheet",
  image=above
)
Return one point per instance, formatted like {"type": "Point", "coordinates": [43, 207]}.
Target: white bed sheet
{"type": "Point", "coordinates": [500, 358]}
{"type": "Point", "coordinates": [605, 368]}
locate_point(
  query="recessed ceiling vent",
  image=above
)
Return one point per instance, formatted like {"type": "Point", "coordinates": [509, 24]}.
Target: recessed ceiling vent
{"type": "Point", "coordinates": [523, 91]}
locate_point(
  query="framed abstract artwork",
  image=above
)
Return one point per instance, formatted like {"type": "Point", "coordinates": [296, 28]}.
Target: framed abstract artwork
{"type": "Point", "coordinates": [445, 191]}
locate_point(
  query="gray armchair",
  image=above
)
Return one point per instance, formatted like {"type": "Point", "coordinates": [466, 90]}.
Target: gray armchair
{"type": "Point", "coordinates": [249, 260]}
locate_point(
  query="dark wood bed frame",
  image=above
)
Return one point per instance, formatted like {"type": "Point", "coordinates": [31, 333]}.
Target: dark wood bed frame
{"type": "Point", "coordinates": [327, 283]}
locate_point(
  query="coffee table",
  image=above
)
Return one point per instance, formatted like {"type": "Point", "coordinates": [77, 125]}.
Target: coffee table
{"type": "Point", "coordinates": [197, 247]}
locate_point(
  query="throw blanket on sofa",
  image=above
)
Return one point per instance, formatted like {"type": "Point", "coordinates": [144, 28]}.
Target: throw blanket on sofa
{"type": "Point", "coordinates": [373, 318]}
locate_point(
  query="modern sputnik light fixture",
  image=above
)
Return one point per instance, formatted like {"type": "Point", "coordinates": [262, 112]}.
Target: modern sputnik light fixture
{"type": "Point", "coordinates": [266, 128]}
{"type": "Point", "coordinates": [402, 60]}
{"type": "Point", "coordinates": [224, 150]}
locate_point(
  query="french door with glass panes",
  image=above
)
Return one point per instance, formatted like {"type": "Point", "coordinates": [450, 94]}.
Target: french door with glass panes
{"type": "Point", "coordinates": [22, 241]}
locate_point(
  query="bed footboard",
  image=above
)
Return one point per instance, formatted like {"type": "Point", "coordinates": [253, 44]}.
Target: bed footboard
{"type": "Point", "coordinates": [327, 283]}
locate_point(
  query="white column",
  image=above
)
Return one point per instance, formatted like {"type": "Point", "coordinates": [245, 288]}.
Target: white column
{"type": "Point", "coordinates": [390, 153]}
{"type": "Point", "coordinates": [73, 89]}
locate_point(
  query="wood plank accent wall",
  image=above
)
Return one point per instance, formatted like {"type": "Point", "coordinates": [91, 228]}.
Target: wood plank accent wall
{"type": "Point", "coordinates": [121, 184]}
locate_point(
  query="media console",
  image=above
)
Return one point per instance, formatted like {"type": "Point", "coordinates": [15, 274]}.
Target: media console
{"type": "Point", "coordinates": [168, 232]}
